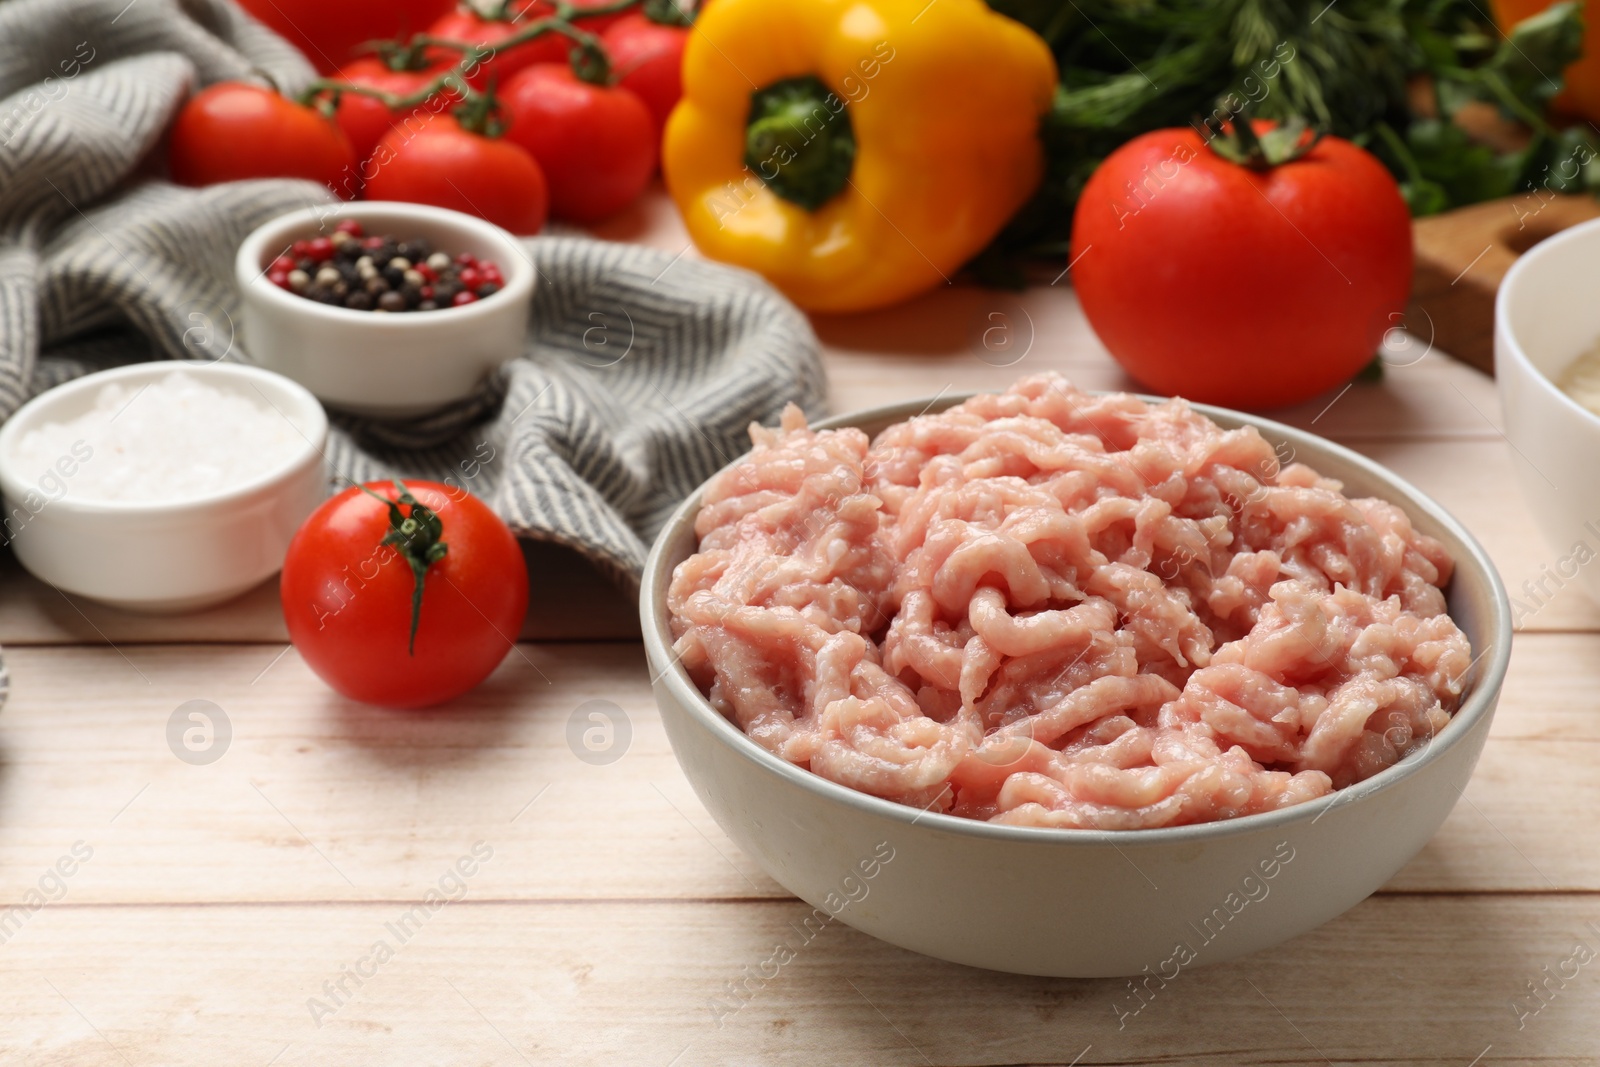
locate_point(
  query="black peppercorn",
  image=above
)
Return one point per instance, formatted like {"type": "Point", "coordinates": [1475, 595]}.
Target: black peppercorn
{"type": "Point", "coordinates": [392, 276]}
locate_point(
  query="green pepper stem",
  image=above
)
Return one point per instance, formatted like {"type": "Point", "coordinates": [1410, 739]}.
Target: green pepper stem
{"type": "Point", "coordinates": [799, 141]}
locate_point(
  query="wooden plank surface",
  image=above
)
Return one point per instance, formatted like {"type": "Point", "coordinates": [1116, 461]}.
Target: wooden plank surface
{"type": "Point", "coordinates": [317, 798]}
{"type": "Point", "coordinates": [1463, 254]}
{"type": "Point", "coordinates": [1399, 980]}
{"type": "Point", "coordinates": [208, 904]}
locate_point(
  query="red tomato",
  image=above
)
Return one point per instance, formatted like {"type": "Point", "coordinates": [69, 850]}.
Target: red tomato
{"type": "Point", "coordinates": [470, 27]}
{"type": "Point", "coordinates": [438, 162]}
{"type": "Point", "coordinates": [348, 595]}
{"type": "Point", "coordinates": [596, 143]}
{"type": "Point", "coordinates": [647, 58]}
{"type": "Point", "coordinates": [364, 119]}
{"type": "Point", "coordinates": [234, 130]}
{"type": "Point", "coordinates": [329, 32]}
{"type": "Point", "coordinates": [1228, 284]}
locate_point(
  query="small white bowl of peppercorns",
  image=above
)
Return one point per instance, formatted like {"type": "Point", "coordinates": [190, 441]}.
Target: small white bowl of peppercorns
{"type": "Point", "coordinates": [384, 308]}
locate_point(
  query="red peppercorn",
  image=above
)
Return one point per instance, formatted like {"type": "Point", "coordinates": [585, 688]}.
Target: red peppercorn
{"type": "Point", "coordinates": [492, 275]}
{"type": "Point", "coordinates": [319, 249]}
{"type": "Point", "coordinates": [467, 259]}
{"type": "Point", "coordinates": [427, 272]}
{"type": "Point", "coordinates": [426, 292]}
{"type": "Point", "coordinates": [280, 278]}
{"type": "Point", "coordinates": [282, 263]}
{"type": "Point", "coordinates": [374, 242]}
{"type": "Point", "coordinates": [464, 297]}
{"type": "Point", "coordinates": [471, 277]}
{"type": "Point", "coordinates": [351, 227]}
{"type": "Point", "coordinates": [298, 249]}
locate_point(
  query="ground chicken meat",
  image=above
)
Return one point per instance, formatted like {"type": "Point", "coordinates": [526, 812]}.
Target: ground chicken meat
{"type": "Point", "coordinates": [1047, 608]}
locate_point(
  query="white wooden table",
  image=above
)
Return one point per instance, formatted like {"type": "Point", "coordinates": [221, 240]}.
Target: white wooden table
{"type": "Point", "coordinates": [229, 913]}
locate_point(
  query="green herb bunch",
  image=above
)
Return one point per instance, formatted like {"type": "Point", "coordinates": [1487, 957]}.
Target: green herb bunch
{"type": "Point", "coordinates": [1390, 75]}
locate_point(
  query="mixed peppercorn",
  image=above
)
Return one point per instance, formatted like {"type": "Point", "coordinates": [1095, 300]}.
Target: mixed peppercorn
{"type": "Point", "coordinates": [351, 269]}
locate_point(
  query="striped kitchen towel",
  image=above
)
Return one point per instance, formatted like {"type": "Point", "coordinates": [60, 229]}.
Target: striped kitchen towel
{"type": "Point", "coordinates": [641, 372]}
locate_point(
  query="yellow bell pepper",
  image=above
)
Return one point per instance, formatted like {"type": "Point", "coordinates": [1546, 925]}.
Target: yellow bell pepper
{"type": "Point", "coordinates": [855, 152]}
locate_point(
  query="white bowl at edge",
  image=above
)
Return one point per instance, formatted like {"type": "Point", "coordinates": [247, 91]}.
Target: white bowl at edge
{"type": "Point", "coordinates": [384, 364]}
{"type": "Point", "coordinates": [1085, 903]}
{"type": "Point", "coordinates": [163, 557]}
{"type": "Point", "coordinates": [1545, 316]}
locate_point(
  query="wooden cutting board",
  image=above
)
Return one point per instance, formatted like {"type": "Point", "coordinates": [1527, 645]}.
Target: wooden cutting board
{"type": "Point", "coordinates": [1462, 256]}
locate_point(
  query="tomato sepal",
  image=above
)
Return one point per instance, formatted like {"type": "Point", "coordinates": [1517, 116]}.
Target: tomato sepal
{"type": "Point", "coordinates": [481, 113]}
{"type": "Point", "coordinates": [668, 13]}
{"type": "Point", "coordinates": [590, 63]}
{"type": "Point", "coordinates": [1240, 142]}
{"type": "Point", "coordinates": [403, 56]}
{"type": "Point", "coordinates": [417, 538]}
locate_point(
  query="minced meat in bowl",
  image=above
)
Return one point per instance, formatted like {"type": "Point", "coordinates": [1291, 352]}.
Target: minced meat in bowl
{"type": "Point", "coordinates": [1055, 609]}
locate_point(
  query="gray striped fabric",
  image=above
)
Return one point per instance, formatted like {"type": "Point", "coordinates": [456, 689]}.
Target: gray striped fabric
{"type": "Point", "coordinates": [642, 371]}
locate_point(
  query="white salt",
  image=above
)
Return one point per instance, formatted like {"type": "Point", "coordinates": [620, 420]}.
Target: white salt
{"type": "Point", "coordinates": [175, 438]}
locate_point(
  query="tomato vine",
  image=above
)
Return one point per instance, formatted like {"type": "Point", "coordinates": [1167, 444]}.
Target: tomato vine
{"type": "Point", "coordinates": [478, 110]}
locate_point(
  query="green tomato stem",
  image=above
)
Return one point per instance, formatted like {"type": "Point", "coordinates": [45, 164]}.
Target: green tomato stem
{"type": "Point", "coordinates": [416, 536]}
{"type": "Point", "coordinates": [668, 13]}
{"type": "Point", "coordinates": [1240, 143]}
{"type": "Point", "coordinates": [591, 62]}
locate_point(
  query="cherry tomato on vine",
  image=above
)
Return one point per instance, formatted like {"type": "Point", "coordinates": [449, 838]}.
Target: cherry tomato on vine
{"type": "Point", "coordinates": [365, 119]}
{"type": "Point", "coordinates": [596, 143]}
{"type": "Point", "coordinates": [438, 162]}
{"type": "Point", "coordinates": [1252, 284]}
{"type": "Point", "coordinates": [235, 130]}
{"type": "Point", "coordinates": [472, 27]}
{"type": "Point", "coordinates": [328, 33]}
{"type": "Point", "coordinates": [350, 592]}
{"type": "Point", "coordinates": [647, 57]}
{"type": "Point", "coordinates": [468, 26]}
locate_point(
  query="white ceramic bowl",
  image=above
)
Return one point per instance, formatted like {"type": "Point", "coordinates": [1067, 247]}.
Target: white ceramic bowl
{"type": "Point", "coordinates": [162, 557]}
{"type": "Point", "coordinates": [1545, 316]}
{"type": "Point", "coordinates": [1085, 903]}
{"type": "Point", "coordinates": [373, 363]}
